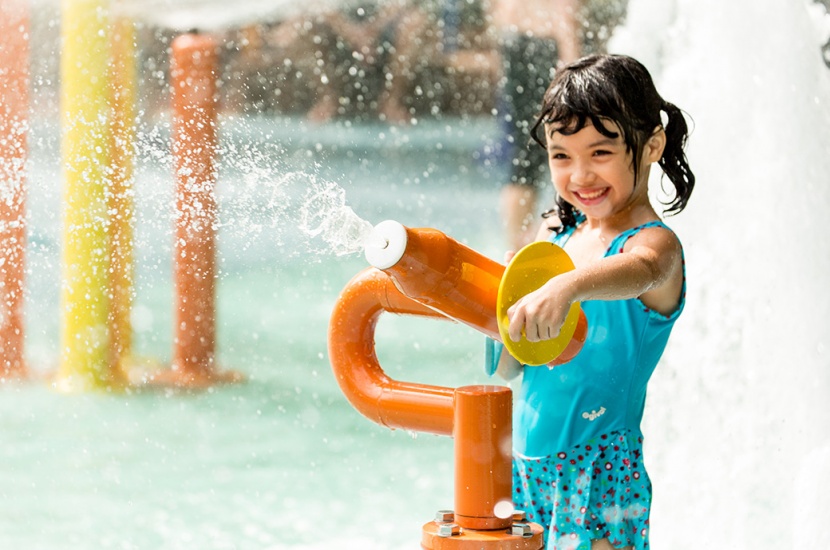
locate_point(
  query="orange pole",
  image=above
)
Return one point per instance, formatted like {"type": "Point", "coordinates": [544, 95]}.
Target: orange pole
{"type": "Point", "coordinates": [193, 77]}
{"type": "Point", "coordinates": [193, 74]}
{"type": "Point", "coordinates": [14, 117]}
{"type": "Point", "coordinates": [483, 446]}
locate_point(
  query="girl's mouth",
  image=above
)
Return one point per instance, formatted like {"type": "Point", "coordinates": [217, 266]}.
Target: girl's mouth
{"type": "Point", "coordinates": [591, 196]}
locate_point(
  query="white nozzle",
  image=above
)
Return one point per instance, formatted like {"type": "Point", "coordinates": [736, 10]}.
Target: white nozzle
{"type": "Point", "coordinates": [386, 244]}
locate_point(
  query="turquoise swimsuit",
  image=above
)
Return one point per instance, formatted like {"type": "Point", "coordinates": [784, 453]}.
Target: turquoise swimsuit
{"type": "Point", "coordinates": [577, 444]}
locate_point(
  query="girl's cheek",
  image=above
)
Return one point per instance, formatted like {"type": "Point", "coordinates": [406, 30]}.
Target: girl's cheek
{"type": "Point", "coordinates": [559, 180]}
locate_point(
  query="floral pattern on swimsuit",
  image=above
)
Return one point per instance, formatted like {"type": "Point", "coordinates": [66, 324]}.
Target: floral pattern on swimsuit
{"type": "Point", "coordinates": [596, 490]}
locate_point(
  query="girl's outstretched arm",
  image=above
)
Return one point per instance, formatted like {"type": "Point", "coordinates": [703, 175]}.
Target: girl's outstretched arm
{"type": "Point", "coordinates": [650, 267]}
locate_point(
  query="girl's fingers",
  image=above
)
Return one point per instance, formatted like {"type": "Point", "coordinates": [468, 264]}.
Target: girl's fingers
{"type": "Point", "coordinates": [538, 333]}
{"type": "Point", "coordinates": [517, 322]}
{"type": "Point", "coordinates": [534, 330]}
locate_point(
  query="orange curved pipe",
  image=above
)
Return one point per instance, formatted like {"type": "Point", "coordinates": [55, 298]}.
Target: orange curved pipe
{"type": "Point", "coordinates": [454, 279]}
{"type": "Point", "coordinates": [477, 417]}
{"type": "Point", "coordinates": [351, 345]}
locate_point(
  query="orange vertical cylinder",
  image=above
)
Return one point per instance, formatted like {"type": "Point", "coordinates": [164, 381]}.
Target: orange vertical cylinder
{"type": "Point", "coordinates": [483, 444]}
{"type": "Point", "coordinates": [14, 117]}
{"type": "Point", "coordinates": [193, 77]}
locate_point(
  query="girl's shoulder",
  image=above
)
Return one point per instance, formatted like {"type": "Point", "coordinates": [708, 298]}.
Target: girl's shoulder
{"type": "Point", "coordinates": [654, 232]}
{"type": "Point", "coordinates": [655, 235]}
{"type": "Point", "coordinates": [657, 243]}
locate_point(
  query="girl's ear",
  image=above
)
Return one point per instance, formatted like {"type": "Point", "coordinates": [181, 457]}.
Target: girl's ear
{"type": "Point", "coordinates": [653, 151]}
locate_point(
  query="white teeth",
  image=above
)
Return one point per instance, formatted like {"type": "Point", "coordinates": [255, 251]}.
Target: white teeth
{"type": "Point", "coordinates": [594, 195]}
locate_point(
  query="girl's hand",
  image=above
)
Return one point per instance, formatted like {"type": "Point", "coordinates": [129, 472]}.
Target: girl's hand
{"type": "Point", "coordinates": [540, 313]}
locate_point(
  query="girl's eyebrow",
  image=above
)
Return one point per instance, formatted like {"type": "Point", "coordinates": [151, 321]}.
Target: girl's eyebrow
{"type": "Point", "coordinates": [604, 141]}
{"type": "Point", "coordinates": [599, 143]}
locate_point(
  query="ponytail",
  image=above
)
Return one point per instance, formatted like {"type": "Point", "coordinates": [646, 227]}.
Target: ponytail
{"type": "Point", "coordinates": [566, 213]}
{"type": "Point", "coordinates": [673, 162]}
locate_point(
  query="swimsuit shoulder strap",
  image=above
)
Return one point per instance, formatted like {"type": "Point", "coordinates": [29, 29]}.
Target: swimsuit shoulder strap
{"type": "Point", "coordinates": [619, 241]}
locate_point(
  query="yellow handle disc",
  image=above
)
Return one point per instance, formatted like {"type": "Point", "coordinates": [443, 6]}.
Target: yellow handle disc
{"type": "Point", "coordinates": [533, 266]}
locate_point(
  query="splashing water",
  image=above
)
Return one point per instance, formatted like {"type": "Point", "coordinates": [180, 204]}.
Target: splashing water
{"type": "Point", "coordinates": [318, 209]}
{"type": "Point", "coordinates": [324, 213]}
{"type": "Point", "coordinates": [263, 196]}
{"type": "Point", "coordinates": [283, 197]}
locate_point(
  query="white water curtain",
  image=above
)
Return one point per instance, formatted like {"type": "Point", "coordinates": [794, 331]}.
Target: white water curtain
{"type": "Point", "coordinates": [738, 424]}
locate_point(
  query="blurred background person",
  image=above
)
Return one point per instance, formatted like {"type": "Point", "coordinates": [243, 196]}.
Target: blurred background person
{"type": "Point", "coordinates": [365, 53]}
{"type": "Point", "coordinates": [391, 60]}
{"type": "Point", "coordinates": [535, 36]}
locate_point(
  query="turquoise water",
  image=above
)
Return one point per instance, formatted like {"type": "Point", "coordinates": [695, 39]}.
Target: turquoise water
{"type": "Point", "coordinates": [281, 461]}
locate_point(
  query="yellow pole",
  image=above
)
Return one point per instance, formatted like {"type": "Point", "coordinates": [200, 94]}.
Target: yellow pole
{"type": "Point", "coordinates": [14, 117]}
{"type": "Point", "coordinates": [84, 363]}
{"type": "Point", "coordinates": [121, 204]}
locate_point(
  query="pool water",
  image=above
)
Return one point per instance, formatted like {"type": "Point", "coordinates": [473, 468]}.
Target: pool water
{"type": "Point", "coordinates": [282, 460]}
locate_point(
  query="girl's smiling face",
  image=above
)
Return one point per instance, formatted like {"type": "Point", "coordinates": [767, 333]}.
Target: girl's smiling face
{"type": "Point", "coordinates": [594, 172]}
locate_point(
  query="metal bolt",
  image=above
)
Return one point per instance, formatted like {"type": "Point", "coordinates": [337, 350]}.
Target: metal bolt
{"type": "Point", "coordinates": [449, 529]}
{"type": "Point", "coordinates": [521, 530]}
{"type": "Point", "coordinates": [444, 516]}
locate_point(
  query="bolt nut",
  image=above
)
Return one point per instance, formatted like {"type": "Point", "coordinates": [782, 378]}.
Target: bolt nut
{"type": "Point", "coordinates": [521, 530]}
{"type": "Point", "coordinates": [449, 530]}
{"type": "Point", "coordinates": [444, 516]}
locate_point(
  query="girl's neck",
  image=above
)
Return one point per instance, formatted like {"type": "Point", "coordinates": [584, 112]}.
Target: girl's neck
{"type": "Point", "coordinates": [591, 238]}
{"type": "Point", "coordinates": [630, 216]}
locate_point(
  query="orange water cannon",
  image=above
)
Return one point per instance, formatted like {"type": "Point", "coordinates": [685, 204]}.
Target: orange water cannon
{"type": "Point", "coordinates": [456, 281]}
{"type": "Point", "coordinates": [426, 273]}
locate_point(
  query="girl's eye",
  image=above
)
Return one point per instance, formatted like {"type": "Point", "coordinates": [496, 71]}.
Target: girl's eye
{"type": "Point", "coordinates": [601, 152]}
{"type": "Point", "coordinates": [558, 156]}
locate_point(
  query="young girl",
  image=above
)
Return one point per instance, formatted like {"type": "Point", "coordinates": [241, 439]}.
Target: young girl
{"type": "Point", "coordinates": [578, 460]}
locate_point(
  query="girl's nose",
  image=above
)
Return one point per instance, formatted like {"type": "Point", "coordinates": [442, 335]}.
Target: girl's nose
{"type": "Point", "coordinates": [583, 173]}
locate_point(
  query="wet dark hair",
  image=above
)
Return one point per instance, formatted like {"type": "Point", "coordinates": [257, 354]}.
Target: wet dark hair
{"type": "Point", "coordinates": [620, 89]}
